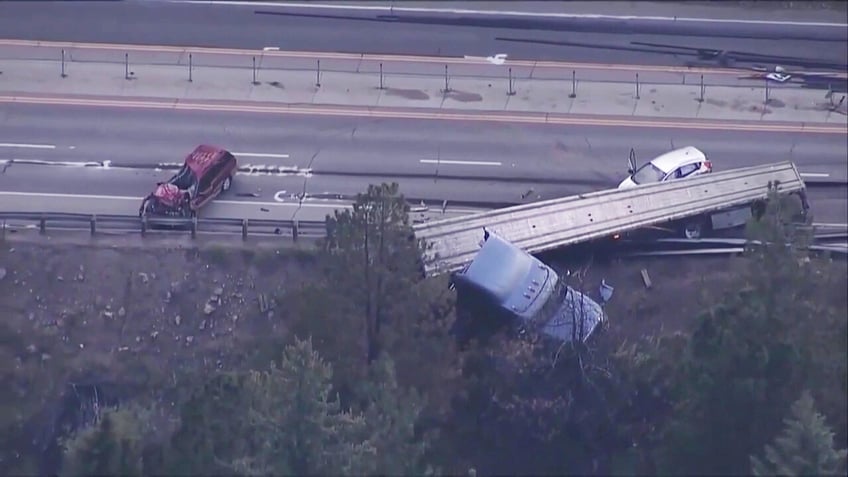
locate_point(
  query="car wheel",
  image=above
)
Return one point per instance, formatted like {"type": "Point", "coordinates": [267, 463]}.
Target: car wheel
{"type": "Point", "coordinates": [227, 183]}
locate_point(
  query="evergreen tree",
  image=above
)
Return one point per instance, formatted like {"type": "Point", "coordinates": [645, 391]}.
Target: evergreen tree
{"type": "Point", "coordinates": [110, 447]}
{"type": "Point", "coordinates": [805, 447]}
{"type": "Point", "coordinates": [391, 414]}
{"type": "Point", "coordinates": [303, 430]}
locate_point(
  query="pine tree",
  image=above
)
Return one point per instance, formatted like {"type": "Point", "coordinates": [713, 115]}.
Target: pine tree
{"type": "Point", "coordinates": [805, 447]}
{"type": "Point", "coordinates": [304, 430]}
{"type": "Point", "coordinates": [110, 447]}
{"type": "Point", "coordinates": [391, 414]}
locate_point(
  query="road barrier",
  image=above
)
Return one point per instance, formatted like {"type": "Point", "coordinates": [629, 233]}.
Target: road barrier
{"type": "Point", "coordinates": [293, 229]}
{"type": "Point", "coordinates": [499, 68]}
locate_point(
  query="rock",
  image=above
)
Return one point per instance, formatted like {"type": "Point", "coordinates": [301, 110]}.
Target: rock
{"type": "Point", "coordinates": [138, 339]}
{"type": "Point", "coordinates": [189, 339]}
{"type": "Point", "coordinates": [235, 318]}
{"type": "Point", "coordinates": [60, 278]}
{"type": "Point", "coordinates": [218, 291]}
{"type": "Point", "coordinates": [122, 312]}
{"type": "Point", "coordinates": [31, 348]}
{"type": "Point", "coordinates": [107, 314]}
{"type": "Point", "coordinates": [208, 308]}
{"type": "Point", "coordinates": [154, 335]}
{"type": "Point", "coordinates": [45, 356]}
{"type": "Point", "coordinates": [2, 273]}
{"type": "Point", "coordinates": [175, 287]}
{"type": "Point", "coordinates": [80, 277]}
{"type": "Point", "coordinates": [203, 325]}
{"type": "Point", "coordinates": [177, 320]}
{"type": "Point", "coordinates": [168, 297]}
{"type": "Point", "coordinates": [144, 278]}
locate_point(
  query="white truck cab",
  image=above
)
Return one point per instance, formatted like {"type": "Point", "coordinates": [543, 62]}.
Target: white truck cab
{"type": "Point", "coordinates": [677, 164]}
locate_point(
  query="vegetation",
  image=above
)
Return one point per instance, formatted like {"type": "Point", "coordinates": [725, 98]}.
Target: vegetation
{"type": "Point", "coordinates": [369, 380]}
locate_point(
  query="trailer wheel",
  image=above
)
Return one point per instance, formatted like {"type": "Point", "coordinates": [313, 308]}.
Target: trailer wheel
{"type": "Point", "coordinates": [692, 230]}
{"type": "Point", "coordinates": [227, 183]}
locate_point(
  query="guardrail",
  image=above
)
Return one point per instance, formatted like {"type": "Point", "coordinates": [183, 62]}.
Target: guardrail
{"type": "Point", "coordinates": [122, 223]}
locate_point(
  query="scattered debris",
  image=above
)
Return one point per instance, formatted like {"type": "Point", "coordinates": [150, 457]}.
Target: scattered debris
{"type": "Point", "coordinates": [605, 291]}
{"type": "Point", "coordinates": [31, 349]}
{"type": "Point", "coordinates": [202, 325]}
{"type": "Point", "coordinates": [2, 273]}
{"type": "Point", "coordinates": [646, 279]}
{"type": "Point", "coordinates": [122, 312]}
{"type": "Point", "coordinates": [144, 278]}
{"type": "Point", "coordinates": [177, 320]}
{"type": "Point", "coordinates": [209, 308]}
{"type": "Point", "coordinates": [265, 304]}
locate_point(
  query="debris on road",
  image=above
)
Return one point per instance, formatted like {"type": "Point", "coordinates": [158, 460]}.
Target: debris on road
{"type": "Point", "coordinates": [646, 279]}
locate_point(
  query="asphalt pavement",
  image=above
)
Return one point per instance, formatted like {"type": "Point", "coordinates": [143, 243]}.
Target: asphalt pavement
{"type": "Point", "coordinates": [257, 25]}
{"type": "Point", "coordinates": [56, 149]}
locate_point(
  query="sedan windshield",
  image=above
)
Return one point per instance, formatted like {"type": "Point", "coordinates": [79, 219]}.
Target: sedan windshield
{"type": "Point", "coordinates": [647, 174]}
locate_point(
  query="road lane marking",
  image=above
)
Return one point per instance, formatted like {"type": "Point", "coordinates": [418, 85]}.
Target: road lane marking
{"type": "Point", "coordinates": [36, 195]}
{"type": "Point", "coordinates": [27, 146]}
{"type": "Point", "coordinates": [511, 13]}
{"type": "Point", "coordinates": [459, 163]}
{"type": "Point", "coordinates": [259, 154]}
{"type": "Point", "coordinates": [441, 60]}
{"type": "Point", "coordinates": [813, 174]}
{"type": "Point", "coordinates": [498, 117]}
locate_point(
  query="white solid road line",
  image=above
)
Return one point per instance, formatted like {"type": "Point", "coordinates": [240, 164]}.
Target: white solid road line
{"type": "Point", "coordinates": [36, 195]}
{"type": "Point", "coordinates": [461, 11]}
{"type": "Point", "coordinates": [27, 146]}
{"type": "Point", "coordinates": [259, 154]}
{"type": "Point", "coordinates": [459, 163]}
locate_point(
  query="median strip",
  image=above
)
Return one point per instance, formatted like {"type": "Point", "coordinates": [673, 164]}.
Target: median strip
{"type": "Point", "coordinates": [441, 115]}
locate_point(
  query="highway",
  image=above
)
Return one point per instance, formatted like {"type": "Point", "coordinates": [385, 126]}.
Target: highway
{"type": "Point", "coordinates": [46, 149]}
{"type": "Point", "coordinates": [258, 25]}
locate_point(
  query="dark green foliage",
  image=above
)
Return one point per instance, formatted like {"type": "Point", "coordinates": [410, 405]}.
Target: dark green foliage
{"type": "Point", "coordinates": [111, 447]}
{"type": "Point", "coordinates": [805, 447]}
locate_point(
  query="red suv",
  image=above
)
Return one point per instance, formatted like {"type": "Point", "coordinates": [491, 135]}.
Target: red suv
{"type": "Point", "coordinates": [207, 172]}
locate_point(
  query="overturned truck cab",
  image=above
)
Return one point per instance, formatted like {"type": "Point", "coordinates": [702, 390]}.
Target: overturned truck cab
{"type": "Point", "coordinates": [504, 280]}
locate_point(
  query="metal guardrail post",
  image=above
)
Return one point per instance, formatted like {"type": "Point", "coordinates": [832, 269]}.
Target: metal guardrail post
{"type": "Point", "coordinates": [93, 224]}
{"type": "Point", "coordinates": [189, 68]}
{"type": "Point", "coordinates": [447, 81]}
{"type": "Point", "coordinates": [254, 71]}
{"type": "Point", "coordinates": [295, 231]}
{"type": "Point", "coordinates": [244, 229]}
{"type": "Point", "coordinates": [701, 98]}
{"type": "Point", "coordinates": [63, 64]}
{"type": "Point", "coordinates": [194, 227]}
{"type": "Point", "coordinates": [510, 91]}
{"type": "Point", "coordinates": [637, 85]}
{"type": "Point", "coordinates": [381, 77]}
{"type": "Point", "coordinates": [42, 225]}
{"type": "Point", "coordinates": [573, 84]}
{"type": "Point", "coordinates": [767, 92]}
{"type": "Point", "coordinates": [318, 75]}
{"type": "Point", "coordinates": [126, 66]}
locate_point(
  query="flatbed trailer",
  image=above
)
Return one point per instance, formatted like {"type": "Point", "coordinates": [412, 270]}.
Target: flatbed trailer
{"type": "Point", "coordinates": [546, 225]}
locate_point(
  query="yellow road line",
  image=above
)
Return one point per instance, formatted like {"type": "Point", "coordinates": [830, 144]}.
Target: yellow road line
{"type": "Point", "coordinates": [361, 57]}
{"type": "Point", "coordinates": [383, 113]}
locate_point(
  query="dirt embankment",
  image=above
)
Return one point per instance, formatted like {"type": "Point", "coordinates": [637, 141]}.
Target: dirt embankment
{"type": "Point", "coordinates": [139, 317]}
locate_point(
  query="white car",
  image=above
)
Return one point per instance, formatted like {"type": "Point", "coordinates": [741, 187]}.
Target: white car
{"type": "Point", "coordinates": [677, 164]}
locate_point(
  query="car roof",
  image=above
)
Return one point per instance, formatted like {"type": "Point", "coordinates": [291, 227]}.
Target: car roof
{"type": "Point", "coordinates": [673, 159]}
{"type": "Point", "coordinates": [203, 157]}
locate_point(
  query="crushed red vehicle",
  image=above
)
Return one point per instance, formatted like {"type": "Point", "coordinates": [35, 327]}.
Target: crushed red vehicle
{"type": "Point", "coordinates": [207, 172]}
